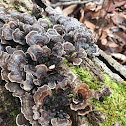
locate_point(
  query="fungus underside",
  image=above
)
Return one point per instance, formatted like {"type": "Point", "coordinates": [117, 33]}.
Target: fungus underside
{"type": "Point", "coordinates": [114, 106]}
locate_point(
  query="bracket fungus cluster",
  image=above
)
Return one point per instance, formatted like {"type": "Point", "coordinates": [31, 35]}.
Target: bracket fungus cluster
{"type": "Point", "coordinates": [31, 55]}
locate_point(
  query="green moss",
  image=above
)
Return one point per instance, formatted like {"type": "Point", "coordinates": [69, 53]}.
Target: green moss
{"type": "Point", "coordinates": [114, 106]}
{"type": "Point", "coordinates": [14, 114]}
{"type": "Point", "coordinates": [87, 78]}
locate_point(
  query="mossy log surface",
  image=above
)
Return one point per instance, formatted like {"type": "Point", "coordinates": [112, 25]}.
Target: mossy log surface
{"type": "Point", "coordinates": [95, 71]}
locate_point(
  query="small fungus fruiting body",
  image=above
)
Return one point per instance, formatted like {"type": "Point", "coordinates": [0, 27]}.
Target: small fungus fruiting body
{"type": "Point", "coordinates": [31, 55]}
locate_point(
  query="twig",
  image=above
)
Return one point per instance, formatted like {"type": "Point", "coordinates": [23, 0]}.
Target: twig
{"type": "Point", "coordinates": [70, 3]}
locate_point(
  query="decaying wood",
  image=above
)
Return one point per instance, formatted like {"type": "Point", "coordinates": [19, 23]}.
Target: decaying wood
{"type": "Point", "coordinates": [70, 3]}
{"type": "Point", "coordinates": [110, 66]}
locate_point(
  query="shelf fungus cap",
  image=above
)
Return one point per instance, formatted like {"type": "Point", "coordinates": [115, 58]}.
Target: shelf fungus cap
{"type": "Point", "coordinates": [16, 15]}
{"type": "Point", "coordinates": [28, 19]}
{"type": "Point", "coordinates": [4, 18]}
{"type": "Point", "coordinates": [39, 114]}
{"type": "Point", "coordinates": [33, 38]}
{"type": "Point", "coordinates": [85, 111]}
{"type": "Point", "coordinates": [44, 23]}
{"type": "Point", "coordinates": [97, 94]}
{"type": "Point", "coordinates": [16, 66]}
{"type": "Point", "coordinates": [7, 32]}
{"type": "Point", "coordinates": [58, 49]}
{"type": "Point", "coordinates": [38, 28]}
{"type": "Point", "coordinates": [40, 73]}
{"type": "Point", "coordinates": [61, 122]}
{"type": "Point", "coordinates": [54, 36]}
{"type": "Point", "coordinates": [13, 24]}
{"type": "Point", "coordinates": [21, 120]}
{"type": "Point", "coordinates": [66, 82]}
{"type": "Point", "coordinates": [81, 53]}
{"type": "Point", "coordinates": [77, 61]}
{"type": "Point", "coordinates": [27, 28]}
{"type": "Point", "coordinates": [41, 93]}
{"type": "Point", "coordinates": [71, 24]}
{"type": "Point", "coordinates": [1, 48]}
{"type": "Point", "coordinates": [105, 91]}
{"type": "Point", "coordinates": [59, 29]}
{"type": "Point", "coordinates": [71, 76]}
{"type": "Point", "coordinates": [41, 70]}
{"type": "Point", "coordinates": [35, 51]}
{"type": "Point", "coordinates": [83, 95]}
{"type": "Point", "coordinates": [27, 85]}
{"type": "Point", "coordinates": [4, 74]}
{"type": "Point", "coordinates": [4, 57]}
{"type": "Point", "coordinates": [19, 36]}
{"type": "Point", "coordinates": [27, 103]}
{"type": "Point", "coordinates": [68, 47]}
{"type": "Point", "coordinates": [15, 88]}
{"type": "Point", "coordinates": [52, 84]}
{"type": "Point", "coordinates": [3, 10]}
{"type": "Point", "coordinates": [44, 118]}
{"type": "Point", "coordinates": [10, 50]}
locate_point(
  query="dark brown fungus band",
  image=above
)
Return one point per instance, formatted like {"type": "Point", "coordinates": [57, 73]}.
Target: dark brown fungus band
{"type": "Point", "coordinates": [82, 100]}
{"type": "Point", "coordinates": [71, 77]}
{"type": "Point", "coordinates": [81, 53]}
{"type": "Point", "coordinates": [85, 111]}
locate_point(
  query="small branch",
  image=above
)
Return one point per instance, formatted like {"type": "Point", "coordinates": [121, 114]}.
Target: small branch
{"type": "Point", "coordinates": [70, 3]}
